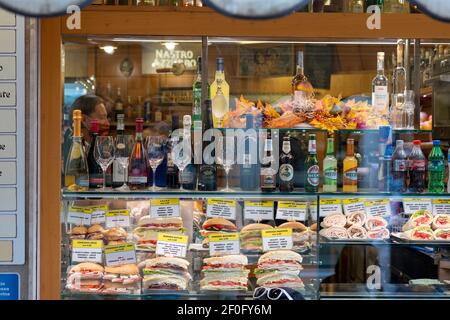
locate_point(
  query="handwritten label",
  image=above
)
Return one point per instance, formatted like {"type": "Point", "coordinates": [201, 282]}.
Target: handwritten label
{"type": "Point", "coordinates": [330, 206]}
{"type": "Point", "coordinates": [258, 210]}
{"type": "Point", "coordinates": [413, 205]}
{"type": "Point", "coordinates": [223, 244]}
{"type": "Point", "coordinates": [276, 239]}
{"type": "Point", "coordinates": [118, 218]}
{"type": "Point", "coordinates": [87, 251]}
{"type": "Point", "coordinates": [121, 254]}
{"type": "Point", "coordinates": [80, 216]}
{"type": "Point", "coordinates": [292, 210]}
{"type": "Point", "coordinates": [221, 208]}
{"type": "Point", "coordinates": [441, 206]}
{"type": "Point", "coordinates": [171, 245]}
{"type": "Point", "coordinates": [98, 215]}
{"type": "Point", "coordinates": [353, 205]}
{"type": "Point", "coordinates": [379, 207]}
{"type": "Point", "coordinates": [164, 208]}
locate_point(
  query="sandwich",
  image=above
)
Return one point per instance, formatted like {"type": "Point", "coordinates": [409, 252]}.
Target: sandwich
{"type": "Point", "coordinates": [356, 219]}
{"type": "Point", "coordinates": [334, 233]}
{"type": "Point", "coordinates": [169, 266]}
{"type": "Point", "coordinates": [122, 279]}
{"type": "Point", "coordinates": [95, 232]}
{"type": "Point", "coordinates": [85, 277]}
{"type": "Point", "coordinates": [279, 261]}
{"type": "Point", "coordinates": [375, 223]}
{"type": "Point", "coordinates": [164, 282]}
{"type": "Point", "coordinates": [216, 225]}
{"type": "Point", "coordinates": [419, 219]}
{"type": "Point", "coordinates": [146, 233]}
{"type": "Point", "coordinates": [225, 273]}
{"type": "Point", "coordinates": [357, 232]}
{"type": "Point", "coordinates": [420, 233]}
{"type": "Point", "coordinates": [300, 235]}
{"type": "Point", "coordinates": [379, 234]}
{"type": "Point", "coordinates": [334, 220]}
{"type": "Point", "coordinates": [251, 239]}
{"type": "Point", "coordinates": [78, 233]}
{"type": "Point", "coordinates": [116, 235]}
{"type": "Point", "coordinates": [280, 279]}
{"type": "Point", "coordinates": [442, 234]}
{"type": "Point", "coordinates": [441, 221]}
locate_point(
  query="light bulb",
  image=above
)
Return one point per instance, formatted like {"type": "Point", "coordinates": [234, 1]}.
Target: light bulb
{"type": "Point", "coordinates": [109, 49]}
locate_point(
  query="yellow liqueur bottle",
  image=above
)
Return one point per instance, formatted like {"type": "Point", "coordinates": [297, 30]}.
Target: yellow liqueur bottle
{"type": "Point", "coordinates": [350, 181]}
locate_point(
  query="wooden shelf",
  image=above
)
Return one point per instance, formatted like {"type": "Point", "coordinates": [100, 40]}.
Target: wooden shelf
{"type": "Point", "coordinates": [175, 21]}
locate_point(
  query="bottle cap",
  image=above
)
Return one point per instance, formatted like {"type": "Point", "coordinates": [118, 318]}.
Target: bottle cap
{"type": "Point", "coordinates": [417, 142]}
{"type": "Point", "coordinates": [399, 143]}
{"type": "Point", "coordinates": [187, 120]}
{"type": "Point", "coordinates": [436, 143]}
{"type": "Point", "coordinates": [76, 114]}
{"type": "Point", "coordinates": [95, 126]}
{"type": "Point", "coordinates": [220, 62]}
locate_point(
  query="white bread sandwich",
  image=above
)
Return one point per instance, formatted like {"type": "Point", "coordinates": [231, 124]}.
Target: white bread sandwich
{"type": "Point", "coordinates": [123, 279]}
{"type": "Point", "coordinates": [85, 277]}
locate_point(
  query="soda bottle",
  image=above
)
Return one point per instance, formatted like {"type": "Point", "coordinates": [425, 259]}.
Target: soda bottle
{"type": "Point", "coordinates": [399, 169]}
{"type": "Point", "coordinates": [417, 168]}
{"type": "Point", "coordinates": [386, 180]}
{"type": "Point", "coordinates": [436, 169]}
{"type": "Point", "coordinates": [312, 167]}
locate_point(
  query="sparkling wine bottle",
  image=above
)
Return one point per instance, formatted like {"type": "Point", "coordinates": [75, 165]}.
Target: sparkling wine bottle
{"type": "Point", "coordinates": [138, 170]}
{"type": "Point", "coordinates": [95, 171]}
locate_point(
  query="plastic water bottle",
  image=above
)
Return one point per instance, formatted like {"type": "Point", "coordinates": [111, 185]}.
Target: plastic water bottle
{"type": "Point", "coordinates": [436, 169]}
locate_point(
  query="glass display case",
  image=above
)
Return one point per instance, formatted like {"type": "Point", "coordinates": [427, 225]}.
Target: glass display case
{"type": "Point", "coordinates": [239, 163]}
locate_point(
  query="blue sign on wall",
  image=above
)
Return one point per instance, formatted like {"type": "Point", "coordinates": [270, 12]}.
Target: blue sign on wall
{"type": "Point", "coordinates": [9, 286]}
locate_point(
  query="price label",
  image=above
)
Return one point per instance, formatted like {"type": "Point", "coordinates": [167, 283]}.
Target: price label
{"type": "Point", "coordinates": [223, 244]}
{"type": "Point", "coordinates": [121, 254]}
{"type": "Point", "coordinates": [276, 239]}
{"type": "Point", "coordinates": [330, 206]}
{"type": "Point", "coordinates": [163, 208]}
{"type": "Point", "coordinates": [313, 210]}
{"type": "Point", "coordinates": [118, 218]}
{"type": "Point", "coordinates": [80, 216]}
{"type": "Point", "coordinates": [413, 205]}
{"type": "Point", "coordinates": [353, 205]}
{"type": "Point", "coordinates": [441, 206]}
{"type": "Point", "coordinates": [292, 210]}
{"type": "Point", "coordinates": [99, 214]}
{"type": "Point", "coordinates": [171, 245]}
{"type": "Point", "coordinates": [379, 207]}
{"type": "Point", "coordinates": [87, 251]}
{"type": "Point", "coordinates": [221, 208]}
{"type": "Point", "coordinates": [258, 210]}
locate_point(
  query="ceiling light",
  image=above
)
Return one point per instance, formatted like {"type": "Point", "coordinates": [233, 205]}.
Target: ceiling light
{"type": "Point", "coordinates": [170, 45]}
{"type": "Point", "coordinates": [109, 49]}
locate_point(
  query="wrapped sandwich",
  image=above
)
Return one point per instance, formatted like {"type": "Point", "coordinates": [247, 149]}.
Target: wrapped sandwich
{"type": "Point", "coordinates": [356, 219]}
{"type": "Point", "coordinates": [251, 239]}
{"type": "Point", "coordinates": [375, 223]}
{"type": "Point", "coordinates": [442, 234]}
{"type": "Point", "coordinates": [357, 232]}
{"type": "Point", "coordinates": [441, 221]}
{"type": "Point", "coordinates": [225, 273]}
{"type": "Point", "coordinates": [123, 279]}
{"type": "Point", "coordinates": [334, 220]}
{"type": "Point", "coordinates": [420, 233]}
{"type": "Point", "coordinates": [334, 233]}
{"type": "Point", "coordinates": [418, 219]}
{"type": "Point", "coordinates": [85, 277]}
{"type": "Point", "coordinates": [300, 235]}
{"type": "Point", "coordinates": [378, 234]}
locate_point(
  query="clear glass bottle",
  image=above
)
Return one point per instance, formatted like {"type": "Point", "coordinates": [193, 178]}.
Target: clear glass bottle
{"type": "Point", "coordinates": [408, 109]}
{"type": "Point", "coordinates": [380, 94]}
{"type": "Point", "coordinates": [197, 97]}
{"type": "Point", "coordinates": [399, 75]}
{"type": "Point", "coordinates": [300, 83]}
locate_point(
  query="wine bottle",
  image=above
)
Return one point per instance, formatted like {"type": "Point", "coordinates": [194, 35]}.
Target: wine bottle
{"type": "Point", "coordinates": [268, 174]}
{"type": "Point", "coordinates": [249, 169]}
{"type": "Point", "coordinates": [95, 171]}
{"type": "Point", "coordinates": [220, 94]}
{"type": "Point", "coordinates": [197, 97]}
{"type": "Point", "coordinates": [207, 179]}
{"type": "Point", "coordinates": [118, 174]}
{"type": "Point", "coordinates": [138, 170]}
{"type": "Point", "coordinates": [189, 176]}
{"type": "Point", "coordinates": [172, 172]}
{"type": "Point", "coordinates": [76, 174]}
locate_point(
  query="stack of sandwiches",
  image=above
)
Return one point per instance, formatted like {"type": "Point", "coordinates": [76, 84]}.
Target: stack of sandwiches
{"type": "Point", "coordinates": [423, 226]}
{"type": "Point", "coordinates": [301, 235]}
{"type": "Point", "coordinates": [166, 273]}
{"type": "Point", "coordinates": [225, 273]}
{"type": "Point", "coordinates": [85, 277]}
{"type": "Point", "coordinates": [280, 268]}
{"type": "Point", "coordinates": [146, 233]}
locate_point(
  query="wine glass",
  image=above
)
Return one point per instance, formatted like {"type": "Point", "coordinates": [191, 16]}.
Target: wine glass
{"type": "Point", "coordinates": [124, 144]}
{"type": "Point", "coordinates": [156, 153]}
{"type": "Point", "coordinates": [225, 156]}
{"type": "Point", "coordinates": [181, 156]}
{"type": "Point", "coordinates": [104, 154]}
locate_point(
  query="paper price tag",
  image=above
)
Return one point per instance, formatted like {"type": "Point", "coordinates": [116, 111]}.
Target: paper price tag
{"type": "Point", "coordinates": [330, 206]}
{"type": "Point", "coordinates": [292, 210]}
{"type": "Point", "coordinates": [313, 210]}
{"type": "Point", "coordinates": [353, 205]}
{"type": "Point", "coordinates": [163, 208]}
{"type": "Point", "coordinates": [379, 207]}
{"type": "Point", "coordinates": [87, 251]}
{"type": "Point", "coordinates": [171, 245]}
{"type": "Point", "coordinates": [258, 210]}
{"type": "Point", "coordinates": [276, 239]}
{"type": "Point", "coordinates": [221, 208]}
{"type": "Point", "coordinates": [79, 216]}
{"type": "Point", "coordinates": [118, 218]}
{"type": "Point", "coordinates": [223, 244]}
{"type": "Point", "coordinates": [121, 254]}
{"type": "Point", "coordinates": [441, 206]}
{"type": "Point", "coordinates": [413, 205]}
{"type": "Point", "coordinates": [98, 214]}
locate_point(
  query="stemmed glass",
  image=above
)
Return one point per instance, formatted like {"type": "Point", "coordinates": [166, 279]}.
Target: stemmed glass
{"type": "Point", "coordinates": [104, 154]}
{"type": "Point", "coordinates": [181, 156]}
{"type": "Point", "coordinates": [124, 144]}
{"type": "Point", "coordinates": [156, 152]}
{"type": "Point", "coordinates": [225, 156]}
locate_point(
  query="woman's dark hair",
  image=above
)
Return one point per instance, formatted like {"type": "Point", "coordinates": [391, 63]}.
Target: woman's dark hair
{"type": "Point", "coordinates": [86, 104]}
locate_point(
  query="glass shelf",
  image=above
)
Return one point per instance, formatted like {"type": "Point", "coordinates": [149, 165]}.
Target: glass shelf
{"type": "Point", "coordinates": [238, 194]}
{"type": "Point", "coordinates": [312, 129]}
